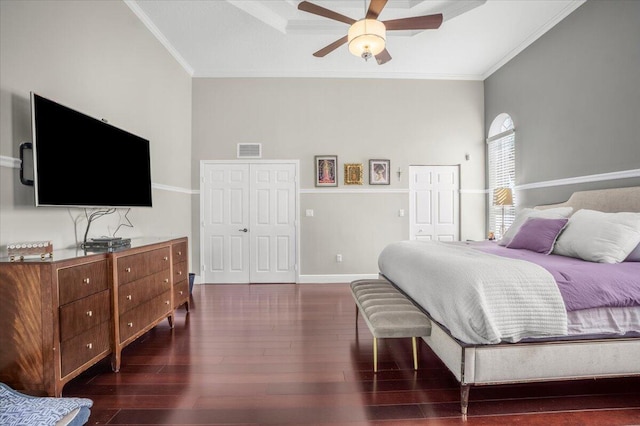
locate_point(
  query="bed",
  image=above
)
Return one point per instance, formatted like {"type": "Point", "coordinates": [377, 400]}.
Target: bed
{"type": "Point", "coordinates": [499, 316]}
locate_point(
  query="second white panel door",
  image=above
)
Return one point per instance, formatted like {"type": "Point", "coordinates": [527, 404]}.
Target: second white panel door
{"type": "Point", "coordinates": [434, 203]}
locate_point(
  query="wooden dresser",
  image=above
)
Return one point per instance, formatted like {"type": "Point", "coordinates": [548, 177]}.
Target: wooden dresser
{"type": "Point", "coordinates": [62, 315]}
{"type": "Point", "coordinates": [180, 259]}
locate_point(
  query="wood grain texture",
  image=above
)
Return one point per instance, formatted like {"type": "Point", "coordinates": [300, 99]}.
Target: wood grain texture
{"type": "Point", "coordinates": [180, 271]}
{"type": "Point", "coordinates": [143, 292]}
{"type": "Point", "coordinates": [21, 355]}
{"type": "Point", "coordinates": [286, 354]}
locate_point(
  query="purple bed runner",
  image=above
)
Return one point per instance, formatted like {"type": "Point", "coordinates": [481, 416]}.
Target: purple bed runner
{"type": "Point", "coordinates": [582, 284]}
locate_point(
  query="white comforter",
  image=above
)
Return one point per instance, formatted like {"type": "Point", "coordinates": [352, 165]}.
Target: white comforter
{"type": "Point", "coordinates": [481, 298]}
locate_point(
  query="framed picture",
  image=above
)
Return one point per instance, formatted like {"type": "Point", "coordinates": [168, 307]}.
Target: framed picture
{"type": "Point", "coordinates": [326, 170]}
{"type": "Point", "coordinates": [379, 172]}
{"type": "Point", "coordinates": [353, 174]}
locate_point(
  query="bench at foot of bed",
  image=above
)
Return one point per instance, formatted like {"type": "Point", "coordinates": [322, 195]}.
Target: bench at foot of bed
{"type": "Point", "coordinates": [388, 314]}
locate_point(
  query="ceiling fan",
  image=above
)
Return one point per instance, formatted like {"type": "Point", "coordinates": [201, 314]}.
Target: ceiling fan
{"type": "Point", "coordinates": [367, 37]}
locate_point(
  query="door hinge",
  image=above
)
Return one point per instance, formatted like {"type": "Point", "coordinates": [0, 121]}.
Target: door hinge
{"type": "Point", "coordinates": [204, 267]}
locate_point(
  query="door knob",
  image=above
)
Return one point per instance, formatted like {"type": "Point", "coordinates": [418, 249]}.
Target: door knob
{"type": "Point", "coordinates": [243, 230]}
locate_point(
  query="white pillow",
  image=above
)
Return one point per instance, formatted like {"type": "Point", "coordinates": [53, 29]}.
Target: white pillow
{"type": "Point", "coordinates": [526, 213]}
{"type": "Point", "coordinates": [634, 256]}
{"type": "Point", "coordinates": [599, 237]}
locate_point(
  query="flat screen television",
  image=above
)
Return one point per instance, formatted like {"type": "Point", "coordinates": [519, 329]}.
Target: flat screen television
{"type": "Point", "coordinates": [81, 161]}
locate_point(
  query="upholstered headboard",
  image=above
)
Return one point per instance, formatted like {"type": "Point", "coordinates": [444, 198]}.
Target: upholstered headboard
{"type": "Point", "coordinates": [604, 200]}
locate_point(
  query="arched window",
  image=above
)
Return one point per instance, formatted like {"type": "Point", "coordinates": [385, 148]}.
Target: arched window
{"type": "Point", "coordinates": [501, 166]}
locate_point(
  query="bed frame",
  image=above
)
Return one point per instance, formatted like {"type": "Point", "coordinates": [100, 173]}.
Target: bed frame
{"type": "Point", "coordinates": [505, 363]}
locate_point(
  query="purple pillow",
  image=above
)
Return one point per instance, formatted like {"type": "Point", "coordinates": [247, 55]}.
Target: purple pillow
{"type": "Point", "coordinates": [538, 234]}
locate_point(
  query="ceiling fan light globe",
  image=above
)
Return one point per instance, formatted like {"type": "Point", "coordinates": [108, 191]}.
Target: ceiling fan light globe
{"type": "Point", "coordinates": [366, 35]}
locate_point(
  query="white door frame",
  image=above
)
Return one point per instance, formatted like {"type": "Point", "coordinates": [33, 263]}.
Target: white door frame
{"type": "Point", "coordinates": [296, 163]}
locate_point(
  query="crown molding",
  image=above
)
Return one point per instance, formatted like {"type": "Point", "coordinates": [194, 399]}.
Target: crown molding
{"type": "Point", "coordinates": [158, 35]}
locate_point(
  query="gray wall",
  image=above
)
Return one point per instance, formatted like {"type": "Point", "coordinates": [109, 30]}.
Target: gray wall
{"type": "Point", "coordinates": [574, 96]}
{"type": "Point", "coordinates": [96, 57]}
{"type": "Point", "coordinates": [410, 122]}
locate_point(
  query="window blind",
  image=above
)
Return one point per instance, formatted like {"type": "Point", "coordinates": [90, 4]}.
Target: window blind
{"type": "Point", "coordinates": [501, 153]}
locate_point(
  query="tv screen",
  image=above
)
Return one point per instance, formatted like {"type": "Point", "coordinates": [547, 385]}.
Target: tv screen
{"type": "Point", "coordinates": [80, 161]}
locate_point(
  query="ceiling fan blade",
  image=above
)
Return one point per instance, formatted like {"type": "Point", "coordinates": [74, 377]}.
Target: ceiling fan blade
{"type": "Point", "coordinates": [321, 11]}
{"type": "Point", "coordinates": [375, 7]}
{"type": "Point", "coordinates": [330, 48]}
{"type": "Point", "coordinates": [383, 57]}
{"type": "Point", "coordinates": [427, 22]}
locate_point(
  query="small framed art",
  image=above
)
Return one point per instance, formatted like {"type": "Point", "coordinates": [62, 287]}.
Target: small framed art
{"type": "Point", "coordinates": [326, 170]}
{"type": "Point", "coordinates": [379, 172]}
{"type": "Point", "coordinates": [353, 174]}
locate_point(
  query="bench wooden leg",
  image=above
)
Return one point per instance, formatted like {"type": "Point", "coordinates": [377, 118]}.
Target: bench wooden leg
{"type": "Point", "coordinates": [415, 353]}
{"type": "Point", "coordinates": [375, 355]}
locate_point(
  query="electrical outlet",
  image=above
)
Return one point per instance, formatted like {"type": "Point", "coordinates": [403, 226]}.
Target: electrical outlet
{"type": "Point", "coordinates": [338, 258]}
{"type": "Point", "coordinates": [309, 212]}
{"type": "Point", "coordinates": [401, 213]}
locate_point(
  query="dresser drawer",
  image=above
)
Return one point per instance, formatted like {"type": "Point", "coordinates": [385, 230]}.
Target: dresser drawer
{"type": "Point", "coordinates": [137, 292]}
{"type": "Point", "coordinates": [133, 321]}
{"type": "Point", "coordinates": [80, 281]}
{"type": "Point", "coordinates": [84, 347]}
{"type": "Point", "coordinates": [84, 314]}
{"type": "Point", "coordinates": [180, 271]}
{"type": "Point", "coordinates": [136, 266]}
{"type": "Point", "coordinates": [180, 293]}
{"type": "Point", "coordinates": [179, 252]}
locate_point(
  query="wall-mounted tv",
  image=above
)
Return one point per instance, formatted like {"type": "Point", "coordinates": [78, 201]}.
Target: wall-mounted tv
{"type": "Point", "coordinates": [80, 161]}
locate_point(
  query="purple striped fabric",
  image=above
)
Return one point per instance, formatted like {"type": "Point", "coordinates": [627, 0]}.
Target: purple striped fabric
{"type": "Point", "coordinates": [582, 284]}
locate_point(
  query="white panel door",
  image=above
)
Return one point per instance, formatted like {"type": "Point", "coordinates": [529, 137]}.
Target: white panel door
{"type": "Point", "coordinates": [249, 224]}
{"type": "Point", "coordinates": [225, 217]}
{"type": "Point", "coordinates": [272, 219]}
{"type": "Point", "coordinates": [434, 203]}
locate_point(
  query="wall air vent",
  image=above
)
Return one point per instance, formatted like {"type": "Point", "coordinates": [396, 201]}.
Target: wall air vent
{"type": "Point", "coordinates": [249, 150]}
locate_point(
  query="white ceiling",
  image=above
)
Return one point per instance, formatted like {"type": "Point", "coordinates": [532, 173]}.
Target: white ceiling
{"type": "Point", "coordinates": [272, 38]}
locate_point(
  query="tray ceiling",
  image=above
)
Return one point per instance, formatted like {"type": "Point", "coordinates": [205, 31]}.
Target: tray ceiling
{"type": "Point", "coordinates": [272, 38]}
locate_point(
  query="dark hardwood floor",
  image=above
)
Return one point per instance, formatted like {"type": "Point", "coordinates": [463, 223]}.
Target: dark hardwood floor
{"type": "Point", "coordinates": [285, 354]}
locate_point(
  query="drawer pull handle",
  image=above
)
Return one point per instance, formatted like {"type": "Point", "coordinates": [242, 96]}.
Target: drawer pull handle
{"type": "Point", "coordinates": [89, 345]}
{"type": "Point", "coordinates": [129, 324]}
{"type": "Point", "coordinates": [166, 280]}
{"type": "Point", "coordinates": [129, 297]}
{"type": "Point", "coordinates": [127, 270]}
{"type": "Point", "coordinates": [180, 292]}
{"type": "Point", "coordinates": [167, 302]}
{"type": "Point", "coordinates": [86, 280]}
{"type": "Point", "coordinates": [165, 258]}
{"type": "Point", "coordinates": [179, 253]}
{"type": "Point", "coordinates": [179, 272]}
{"type": "Point", "coordinates": [89, 313]}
